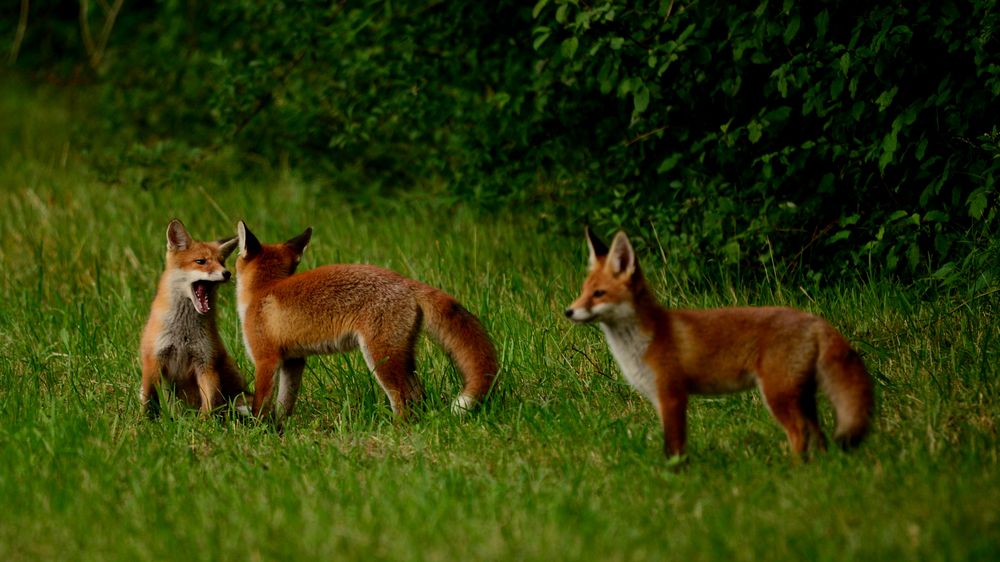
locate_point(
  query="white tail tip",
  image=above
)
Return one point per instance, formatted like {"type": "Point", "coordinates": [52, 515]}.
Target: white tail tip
{"type": "Point", "coordinates": [463, 404]}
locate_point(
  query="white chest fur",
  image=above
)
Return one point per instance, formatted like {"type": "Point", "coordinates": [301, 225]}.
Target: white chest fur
{"type": "Point", "coordinates": [628, 345]}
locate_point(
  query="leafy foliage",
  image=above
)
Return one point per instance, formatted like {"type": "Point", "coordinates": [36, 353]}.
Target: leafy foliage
{"type": "Point", "coordinates": [821, 137]}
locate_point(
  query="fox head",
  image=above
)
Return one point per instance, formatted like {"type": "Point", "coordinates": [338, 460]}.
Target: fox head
{"type": "Point", "coordinates": [612, 278]}
{"type": "Point", "coordinates": [196, 268]}
{"type": "Point", "coordinates": [267, 262]}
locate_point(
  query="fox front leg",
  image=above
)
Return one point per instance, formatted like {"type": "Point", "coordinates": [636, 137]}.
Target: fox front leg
{"type": "Point", "coordinates": [148, 396]}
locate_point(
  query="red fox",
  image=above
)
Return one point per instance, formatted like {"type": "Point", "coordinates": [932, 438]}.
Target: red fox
{"type": "Point", "coordinates": [668, 354]}
{"type": "Point", "coordinates": [180, 344]}
{"type": "Point", "coordinates": [287, 316]}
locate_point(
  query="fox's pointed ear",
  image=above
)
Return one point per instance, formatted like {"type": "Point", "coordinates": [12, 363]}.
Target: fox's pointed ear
{"type": "Point", "coordinates": [177, 237]}
{"type": "Point", "coordinates": [595, 248]}
{"type": "Point", "coordinates": [227, 246]}
{"type": "Point", "coordinates": [300, 242]}
{"type": "Point", "coordinates": [249, 245]}
{"type": "Point", "coordinates": [621, 257]}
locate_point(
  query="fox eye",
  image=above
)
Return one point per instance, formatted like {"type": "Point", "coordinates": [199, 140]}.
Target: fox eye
{"type": "Point", "coordinates": [599, 293]}
{"type": "Point", "coordinates": [201, 261]}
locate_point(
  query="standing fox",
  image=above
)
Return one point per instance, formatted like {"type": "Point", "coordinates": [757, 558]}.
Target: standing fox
{"type": "Point", "coordinates": [668, 354]}
{"type": "Point", "coordinates": [181, 343]}
{"type": "Point", "coordinates": [287, 317]}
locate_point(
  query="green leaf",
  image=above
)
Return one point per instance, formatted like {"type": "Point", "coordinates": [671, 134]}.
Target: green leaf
{"type": "Point", "coordinates": [669, 163]}
{"type": "Point", "coordinates": [569, 47]}
{"type": "Point", "coordinates": [641, 98]}
{"type": "Point", "coordinates": [731, 251]}
{"type": "Point", "coordinates": [836, 87]}
{"type": "Point", "coordinates": [778, 114]}
{"type": "Point", "coordinates": [977, 203]}
{"type": "Point", "coordinates": [792, 29]}
{"type": "Point", "coordinates": [822, 20]}
{"type": "Point", "coordinates": [889, 145]}
{"type": "Point", "coordinates": [935, 216]}
{"type": "Point", "coordinates": [838, 236]}
{"type": "Point", "coordinates": [538, 8]}
{"type": "Point", "coordinates": [913, 256]}
{"type": "Point", "coordinates": [885, 99]}
{"type": "Point", "coordinates": [845, 63]}
{"type": "Point", "coordinates": [755, 130]}
{"type": "Point", "coordinates": [539, 40]}
{"type": "Point", "coordinates": [857, 109]}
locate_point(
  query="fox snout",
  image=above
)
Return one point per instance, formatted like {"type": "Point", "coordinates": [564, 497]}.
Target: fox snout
{"type": "Point", "coordinates": [579, 313]}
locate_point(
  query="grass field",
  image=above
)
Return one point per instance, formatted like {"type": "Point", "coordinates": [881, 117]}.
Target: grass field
{"type": "Point", "coordinates": [563, 463]}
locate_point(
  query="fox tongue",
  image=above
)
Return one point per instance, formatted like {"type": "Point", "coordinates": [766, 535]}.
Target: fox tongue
{"type": "Point", "coordinates": [201, 297]}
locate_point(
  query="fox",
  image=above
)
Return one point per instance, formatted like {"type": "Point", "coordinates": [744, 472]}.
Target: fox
{"type": "Point", "coordinates": [180, 344]}
{"type": "Point", "coordinates": [667, 355]}
{"type": "Point", "coordinates": [288, 316]}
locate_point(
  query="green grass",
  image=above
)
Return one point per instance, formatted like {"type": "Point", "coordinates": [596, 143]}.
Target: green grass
{"type": "Point", "coordinates": [563, 463]}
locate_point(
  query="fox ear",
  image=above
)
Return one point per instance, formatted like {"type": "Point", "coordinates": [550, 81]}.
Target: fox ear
{"type": "Point", "coordinates": [249, 245]}
{"type": "Point", "coordinates": [595, 248]}
{"type": "Point", "coordinates": [177, 237]}
{"type": "Point", "coordinates": [621, 257]}
{"type": "Point", "coordinates": [300, 242]}
{"type": "Point", "coordinates": [227, 246]}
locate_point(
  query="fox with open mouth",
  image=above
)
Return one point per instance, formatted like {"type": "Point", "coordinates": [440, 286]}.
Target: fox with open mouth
{"type": "Point", "coordinates": [181, 344]}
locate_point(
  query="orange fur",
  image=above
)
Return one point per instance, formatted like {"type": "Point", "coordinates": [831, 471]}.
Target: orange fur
{"type": "Point", "coordinates": [180, 344]}
{"type": "Point", "coordinates": [669, 354]}
{"type": "Point", "coordinates": [288, 316]}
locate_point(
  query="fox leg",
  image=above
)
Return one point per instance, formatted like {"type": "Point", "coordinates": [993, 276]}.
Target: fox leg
{"type": "Point", "coordinates": [209, 389]}
{"type": "Point", "coordinates": [148, 396]}
{"type": "Point", "coordinates": [784, 401]}
{"type": "Point", "coordinates": [807, 403]}
{"type": "Point", "coordinates": [289, 381]}
{"type": "Point", "coordinates": [673, 416]}
{"type": "Point", "coordinates": [394, 367]}
{"type": "Point", "coordinates": [232, 384]}
{"type": "Point", "coordinates": [263, 383]}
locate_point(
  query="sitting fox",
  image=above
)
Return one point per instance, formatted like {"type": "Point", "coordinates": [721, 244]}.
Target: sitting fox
{"type": "Point", "coordinates": [181, 344]}
{"type": "Point", "coordinates": [667, 355]}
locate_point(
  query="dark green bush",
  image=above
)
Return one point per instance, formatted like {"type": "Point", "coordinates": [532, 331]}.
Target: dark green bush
{"type": "Point", "coordinates": [830, 137]}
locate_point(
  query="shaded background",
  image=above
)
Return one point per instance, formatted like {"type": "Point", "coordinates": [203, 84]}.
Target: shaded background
{"type": "Point", "coordinates": [821, 140]}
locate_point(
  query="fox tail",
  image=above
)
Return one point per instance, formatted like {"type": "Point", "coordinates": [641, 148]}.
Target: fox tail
{"type": "Point", "coordinates": [462, 335]}
{"type": "Point", "coordinates": [845, 381]}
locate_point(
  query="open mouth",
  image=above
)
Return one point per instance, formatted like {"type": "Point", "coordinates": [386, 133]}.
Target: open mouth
{"type": "Point", "coordinates": [200, 291]}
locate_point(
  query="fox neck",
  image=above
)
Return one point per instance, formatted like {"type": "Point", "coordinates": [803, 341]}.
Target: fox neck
{"type": "Point", "coordinates": [251, 284]}
{"type": "Point", "coordinates": [629, 336]}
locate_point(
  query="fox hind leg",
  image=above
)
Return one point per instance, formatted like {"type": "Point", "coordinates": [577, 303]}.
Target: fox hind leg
{"type": "Point", "coordinates": [784, 401]}
{"type": "Point", "coordinates": [394, 367]}
{"type": "Point", "coordinates": [233, 386]}
{"type": "Point", "coordinates": [289, 382]}
{"type": "Point", "coordinates": [807, 404]}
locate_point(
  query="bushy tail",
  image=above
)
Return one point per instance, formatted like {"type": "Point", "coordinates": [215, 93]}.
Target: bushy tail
{"type": "Point", "coordinates": [845, 381]}
{"type": "Point", "coordinates": [464, 338]}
